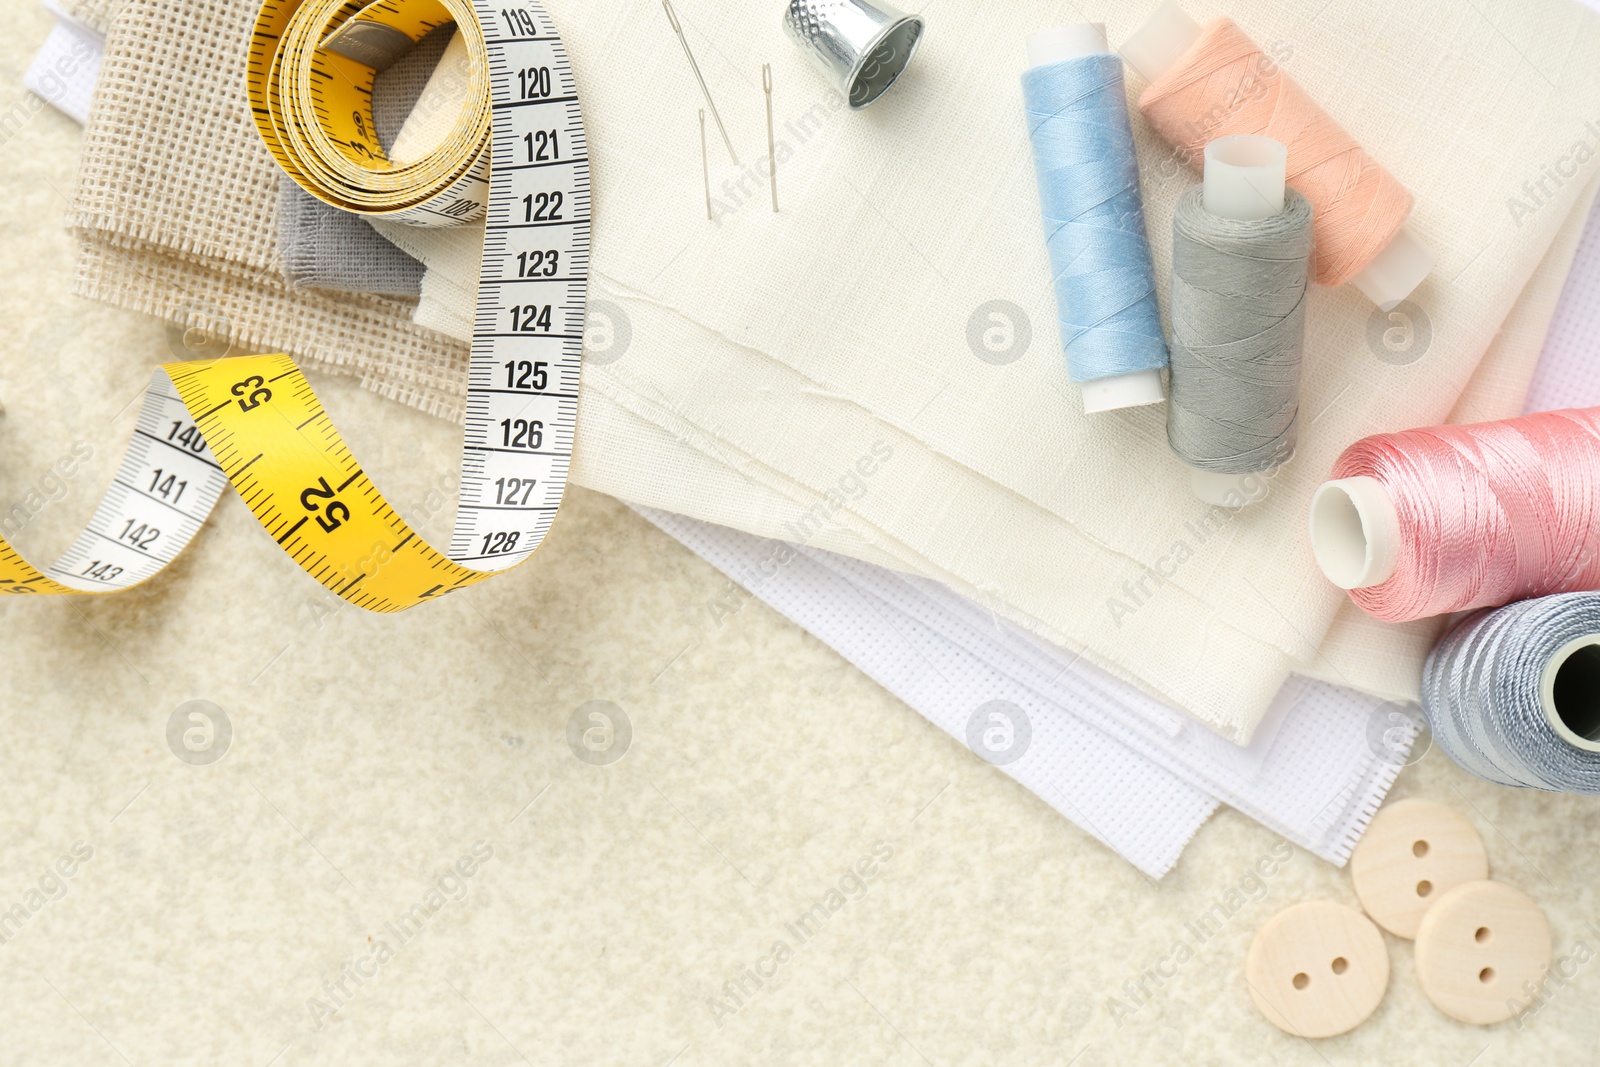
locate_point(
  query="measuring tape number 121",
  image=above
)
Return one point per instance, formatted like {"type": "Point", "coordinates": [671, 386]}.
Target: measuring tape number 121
{"type": "Point", "coordinates": [254, 421]}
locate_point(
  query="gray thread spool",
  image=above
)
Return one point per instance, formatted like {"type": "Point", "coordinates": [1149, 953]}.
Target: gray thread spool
{"type": "Point", "coordinates": [1513, 696]}
{"type": "Point", "coordinates": [1238, 330]}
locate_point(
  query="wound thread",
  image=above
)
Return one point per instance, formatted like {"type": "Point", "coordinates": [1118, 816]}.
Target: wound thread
{"type": "Point", "coordinates": [1225, 85]}
{"type": "Point", "coordinates": [1238, 335]}
{"type": "Point", "coordinates": [1489, 514]}
{"type": "Point", "coordinates": [1493, 684]}
{"type": "Point", "coordinates": [1094, 218]}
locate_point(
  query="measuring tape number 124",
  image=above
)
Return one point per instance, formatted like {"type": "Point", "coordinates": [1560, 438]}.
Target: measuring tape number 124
{"type": "Point", "coordinates": [254, 421]}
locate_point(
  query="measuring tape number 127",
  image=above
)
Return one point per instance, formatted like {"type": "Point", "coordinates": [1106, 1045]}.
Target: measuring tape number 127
{"type": "Point", "coordinates": [254, 421]}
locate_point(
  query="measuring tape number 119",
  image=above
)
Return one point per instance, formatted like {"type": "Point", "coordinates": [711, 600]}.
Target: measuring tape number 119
{"type": "Point", "coordinates": [254, 421]}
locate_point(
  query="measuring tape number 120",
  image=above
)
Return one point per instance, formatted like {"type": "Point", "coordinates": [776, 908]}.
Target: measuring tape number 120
{"type": "Point", "coordinates": [254, 421]}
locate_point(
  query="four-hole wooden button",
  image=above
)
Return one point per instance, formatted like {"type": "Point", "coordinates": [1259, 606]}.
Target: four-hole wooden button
{"type": "Point", "coordinates": [1478, 944]}
{"type": "Point", "coordinates": [1317, 969]}
{"type": "Point", "coordinates": [1414, 852]}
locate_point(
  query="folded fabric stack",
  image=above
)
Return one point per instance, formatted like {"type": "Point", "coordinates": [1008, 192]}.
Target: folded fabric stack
{"type": "Point", "coordinates": [1319, 765]}
{"type": "Point", "coordinates": [753, 363]}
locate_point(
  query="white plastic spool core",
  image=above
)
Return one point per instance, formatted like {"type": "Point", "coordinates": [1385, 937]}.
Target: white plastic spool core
{"type": "Point", "coordinates": [1355, 533]}
{"type": "Point", "coordinates": [1570, 693]}
{"type": "Point", "coordinates": [1397, 271]}
{"type": "Point", "coordinates": [1061, 43]}
{"type": "Point", "coordinates": [1245, 177]}
{"type": "Point", "coordinates": [1057, 45]}
{"type": "Point", "coordinates": [1158, 45]}
{"type": "Point", "coordinates": [1244, 180]}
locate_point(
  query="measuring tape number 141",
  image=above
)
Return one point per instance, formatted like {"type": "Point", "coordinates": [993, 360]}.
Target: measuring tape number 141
{"type": "Point", "coordinates": [254, 421]}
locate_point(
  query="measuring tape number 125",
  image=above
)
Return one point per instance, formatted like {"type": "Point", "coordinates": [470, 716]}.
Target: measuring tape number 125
{"type": "Point", "coordinates": [254, 421]}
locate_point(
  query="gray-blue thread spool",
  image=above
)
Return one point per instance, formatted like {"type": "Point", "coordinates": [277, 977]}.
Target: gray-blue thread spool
{"type": "Point", "coordinates": [1094, 218]}
{"type": "Point", "coordinates": [1513, 696]}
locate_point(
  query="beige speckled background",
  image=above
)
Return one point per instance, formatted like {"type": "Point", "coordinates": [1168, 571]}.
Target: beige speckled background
{"type": "Point", "coordinates": [221, 904]}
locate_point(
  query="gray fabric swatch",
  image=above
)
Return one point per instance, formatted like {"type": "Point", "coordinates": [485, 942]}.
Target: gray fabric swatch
{"type": "Point", "coordinates": [321, 247]}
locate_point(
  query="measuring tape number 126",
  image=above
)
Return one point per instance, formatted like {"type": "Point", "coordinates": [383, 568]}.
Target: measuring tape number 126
{"type": "Point", "coordinates": [254, 421]}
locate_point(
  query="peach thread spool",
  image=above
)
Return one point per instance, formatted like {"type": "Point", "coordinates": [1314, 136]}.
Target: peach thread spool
{"type": "Point", "coordinates": [1212, 82]}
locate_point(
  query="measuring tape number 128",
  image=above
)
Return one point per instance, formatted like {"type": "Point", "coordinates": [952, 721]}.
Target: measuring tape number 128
{"type": "Point", "coordinates": [254, 421]}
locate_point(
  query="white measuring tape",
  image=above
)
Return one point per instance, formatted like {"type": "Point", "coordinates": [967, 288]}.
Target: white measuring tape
{"type": "Point", "coordinates": [254, 421]}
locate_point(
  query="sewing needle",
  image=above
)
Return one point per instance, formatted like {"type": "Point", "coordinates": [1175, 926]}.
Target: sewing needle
{"type": "Point", "coordinates": [705, 162]}
{"type": "Point", "coordinates": [672, 17]}
{"type": "Point", "coordinates": [772, 141]}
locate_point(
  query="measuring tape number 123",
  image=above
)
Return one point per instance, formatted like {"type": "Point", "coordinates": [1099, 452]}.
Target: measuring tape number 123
{"type": "Point", "coordinates": [254, 421]}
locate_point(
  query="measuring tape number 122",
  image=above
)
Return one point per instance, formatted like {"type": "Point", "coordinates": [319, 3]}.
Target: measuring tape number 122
{"type": "Point", "coordinates": [254, 421]}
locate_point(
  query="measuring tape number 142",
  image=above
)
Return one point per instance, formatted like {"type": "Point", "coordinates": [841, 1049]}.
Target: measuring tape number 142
{"type": "Point", "coordinates": [254, 421]}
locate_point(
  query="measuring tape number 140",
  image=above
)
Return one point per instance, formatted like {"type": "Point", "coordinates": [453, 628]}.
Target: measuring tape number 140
{"type": "Point", "coordinates": [254, 421]}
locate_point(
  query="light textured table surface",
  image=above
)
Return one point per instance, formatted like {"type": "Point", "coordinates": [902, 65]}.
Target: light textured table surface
{"type": "Point", "coordinates": [250, 912]}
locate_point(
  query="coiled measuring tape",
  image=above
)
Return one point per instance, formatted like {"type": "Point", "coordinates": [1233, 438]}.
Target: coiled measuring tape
{"type": "Point", "coordinates": [254, 421]}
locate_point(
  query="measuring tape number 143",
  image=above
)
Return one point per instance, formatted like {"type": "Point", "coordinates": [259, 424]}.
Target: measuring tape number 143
{"type": "Point", "coordinates": [254, 421]}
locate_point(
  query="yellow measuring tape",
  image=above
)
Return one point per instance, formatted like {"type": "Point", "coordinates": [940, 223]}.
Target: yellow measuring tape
{"type": "Point", "coordinates": [254, 421]}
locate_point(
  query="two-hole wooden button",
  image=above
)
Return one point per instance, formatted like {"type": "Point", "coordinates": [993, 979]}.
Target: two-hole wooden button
{"type": "Point", "coordinates": [1317, 969]}
{"type": "Point", "coordinates": [1414, 853]}
{"type": "Point", "coordinates": [1478, 944]}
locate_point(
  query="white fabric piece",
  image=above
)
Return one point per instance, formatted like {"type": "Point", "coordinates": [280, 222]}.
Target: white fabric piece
{"type": "Point", "coordinates": [1569, 371]}
{"type": "Point", "coordinates": [67, 67]}
{"type": "Point", "coordinates": [1314, 773]}
{"type": "Point", "coordinates": [1144, 812]}
{"type": "Point", "coordinates": [785, 346]}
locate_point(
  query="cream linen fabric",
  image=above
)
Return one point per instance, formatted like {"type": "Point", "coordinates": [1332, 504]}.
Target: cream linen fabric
{"type": "Point", "coordinates": [781, 349]}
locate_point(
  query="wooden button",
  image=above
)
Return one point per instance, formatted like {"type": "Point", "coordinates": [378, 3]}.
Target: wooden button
{"type": "Point", "coordinates": [1478, 944]}
{"type": "Point", "coordinates": [1317, 969]}
{"type": "Point", "coordinates": [1414, 852]}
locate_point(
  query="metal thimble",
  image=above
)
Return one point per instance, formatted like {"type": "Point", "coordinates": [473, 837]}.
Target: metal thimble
{"type": "Point", "coordinates": [860, 47]}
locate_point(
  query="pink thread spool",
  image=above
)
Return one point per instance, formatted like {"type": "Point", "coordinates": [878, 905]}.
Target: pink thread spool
{"type": "Point", "coordinates": [1455, 518]}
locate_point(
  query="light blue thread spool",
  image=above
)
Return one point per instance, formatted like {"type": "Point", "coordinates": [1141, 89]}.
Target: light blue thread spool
{"type": "Point", "coordinates": [1513, 696]}
{"type": "Point", "coordinates": [1094, 218]}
